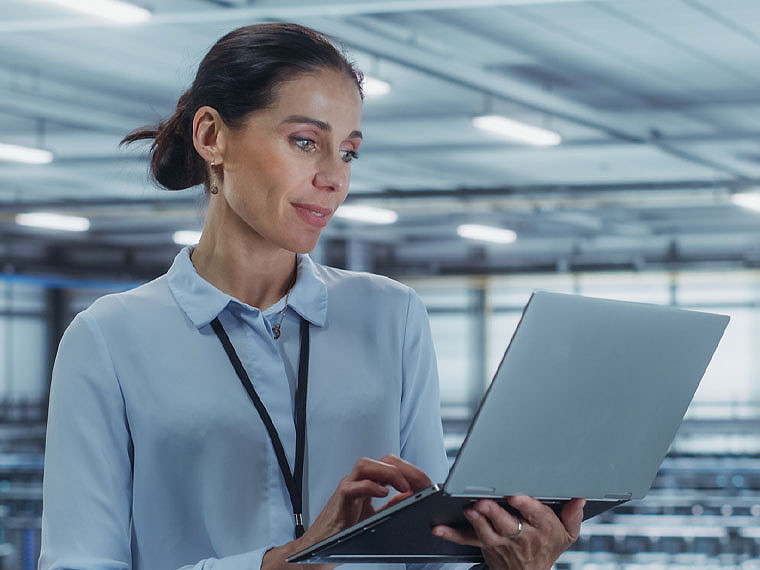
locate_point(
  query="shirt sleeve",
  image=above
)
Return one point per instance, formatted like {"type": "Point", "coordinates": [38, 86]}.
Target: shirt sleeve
{"type": "Point", "coordinates": [87, 485]}
{"type": "Point", "coordinates": [245, 561]}
{"type": "Point", "coordinates": [421, 431]}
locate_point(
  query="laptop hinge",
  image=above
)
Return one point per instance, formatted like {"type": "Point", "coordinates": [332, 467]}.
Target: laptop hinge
{"type": "Point", "coordinates": [476, 492]}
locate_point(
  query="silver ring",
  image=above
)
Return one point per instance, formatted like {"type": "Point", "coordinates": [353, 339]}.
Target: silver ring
{"type": "Point", "coordinates": [519, 530]}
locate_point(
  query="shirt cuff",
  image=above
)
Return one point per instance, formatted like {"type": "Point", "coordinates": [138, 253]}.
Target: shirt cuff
{"type": "Point", "coordinates": [245, 561]}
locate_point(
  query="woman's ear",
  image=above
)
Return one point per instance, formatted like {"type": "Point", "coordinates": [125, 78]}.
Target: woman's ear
{"type": "Point", "coordinates": [209, 134]}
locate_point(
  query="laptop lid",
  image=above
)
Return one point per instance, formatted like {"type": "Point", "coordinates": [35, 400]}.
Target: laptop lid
{"type": "Point", "coordinates": [586, 400]}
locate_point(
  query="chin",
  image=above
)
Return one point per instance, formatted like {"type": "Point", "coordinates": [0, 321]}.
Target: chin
{"type": "Point", "coordinates": [303, 245]}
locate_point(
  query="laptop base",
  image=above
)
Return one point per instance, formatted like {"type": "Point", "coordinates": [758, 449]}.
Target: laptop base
{"type": "Point", "coordinates": [404, 535]}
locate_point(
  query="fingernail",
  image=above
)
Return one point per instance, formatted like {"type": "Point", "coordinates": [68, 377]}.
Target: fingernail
{"type": "Point", "coordinates": [472, 513]}
{"type": "Point", "coordinates": [516, 500]}
{"type": "Point", "coordinates": [438, 531]}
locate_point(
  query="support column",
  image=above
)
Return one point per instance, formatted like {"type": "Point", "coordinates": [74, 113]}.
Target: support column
{"type": "Point", "coordinates": [478, 335]}
{"type": "Point", "coordinates": [56, 306]}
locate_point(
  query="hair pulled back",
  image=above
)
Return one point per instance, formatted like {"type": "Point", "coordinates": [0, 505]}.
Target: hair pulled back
{"type": "Point", "coordinates": [238, 75]}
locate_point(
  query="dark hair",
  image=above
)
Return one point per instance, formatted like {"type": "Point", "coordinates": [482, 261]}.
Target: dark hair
{"type": "Point", "coordinates": [239, 74]}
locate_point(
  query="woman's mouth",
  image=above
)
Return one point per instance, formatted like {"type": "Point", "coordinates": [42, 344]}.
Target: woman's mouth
{"type": "Point", "coordinates": [314, 215]}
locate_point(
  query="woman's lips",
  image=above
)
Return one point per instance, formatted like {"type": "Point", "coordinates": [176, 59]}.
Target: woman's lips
{"type": "Point", "coordinates": [315, 215]}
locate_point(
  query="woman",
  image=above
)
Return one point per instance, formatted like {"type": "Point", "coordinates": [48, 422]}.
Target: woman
{"type": "Point", "coordinates": [156, 458]}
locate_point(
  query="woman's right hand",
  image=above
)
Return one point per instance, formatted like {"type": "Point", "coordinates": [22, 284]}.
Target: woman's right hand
{"type": "Point", "coordinates": [352, 502]}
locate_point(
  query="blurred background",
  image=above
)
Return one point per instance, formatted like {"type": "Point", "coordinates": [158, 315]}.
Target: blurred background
{"type": "Point", "coordinates": [607, 148]}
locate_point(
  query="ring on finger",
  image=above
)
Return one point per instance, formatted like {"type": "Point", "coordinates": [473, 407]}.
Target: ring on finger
{"type": "Point", "coordinates": [518, 531]}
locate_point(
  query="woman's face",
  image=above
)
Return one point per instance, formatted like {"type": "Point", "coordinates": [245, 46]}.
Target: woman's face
{"type": "Point", "coordinates": [288, 168]}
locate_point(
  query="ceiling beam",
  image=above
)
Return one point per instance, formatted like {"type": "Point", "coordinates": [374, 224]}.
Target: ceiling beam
{"type": "Point", "coordinates": [678, 190]}
{"type": "Point", "coordinates": [533, 191]}
{"type": "Point", "coordinates": [73, 147]}
{"type": "Point", "coordinates": [40, 106]}
{"type": "Point", "coordinates": [360, 34]}
{"type": "Point", "coordinates": [52, 62]}
{"type": "Point", "coordinates": [51, 179]}
{"type": "Point", "coordinates": [273, 9]}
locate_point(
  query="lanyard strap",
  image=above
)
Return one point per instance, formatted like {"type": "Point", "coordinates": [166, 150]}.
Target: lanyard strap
{"type": "Point", "coordinates": [294, 480]}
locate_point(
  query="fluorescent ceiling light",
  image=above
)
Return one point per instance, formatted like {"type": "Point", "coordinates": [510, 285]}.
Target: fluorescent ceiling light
{"type": "Point", "coordinates": [517, 131]}
{"type": "Point", "coordinates": [186, 237]}
{"type": "Point", "coordinates": [375, 87]}
{"type": "Point", "coordinates": [367, 214]}
{"type": "Point", "coordinates": [486, 233]}
{"type": "Point", "coordinates": [25, 154]}
{"type": "Point", "coordinates": [115, 10]}
{"type": "Point", "coordinates": [53, 221]}
{"type": "Point", "coordinates": [749, 200]}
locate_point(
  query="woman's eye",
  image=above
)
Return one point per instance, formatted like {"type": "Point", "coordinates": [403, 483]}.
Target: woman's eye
{"type": "Point", "coordinates": [306, 145]}
{"type": "Point", "coordinates": [349, 155]}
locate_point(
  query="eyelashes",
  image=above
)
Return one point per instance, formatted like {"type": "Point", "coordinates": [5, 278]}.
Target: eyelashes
{"type": "Point", "coordinates": [310, 145]}
{"type": "Point", "coordinates": [305, 144]}
{"type": "Point", "coordinates": [349, 155]}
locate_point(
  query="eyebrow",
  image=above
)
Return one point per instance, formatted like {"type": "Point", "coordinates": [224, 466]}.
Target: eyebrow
{"type": "Point", "coordinates": [321, 125]}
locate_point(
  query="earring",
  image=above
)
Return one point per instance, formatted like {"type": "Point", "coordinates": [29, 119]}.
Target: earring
{"type": "Point", "coordinates": [214, 187]}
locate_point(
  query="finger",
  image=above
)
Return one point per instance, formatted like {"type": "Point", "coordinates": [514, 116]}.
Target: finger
{"type": "Point", "coordinates": [483, 529]}
{"type": "Point", "coordinates": [380, 472]}
{"type": "Point", "coordinates": [503, 523]}
{"type": "Point", "coordinates": [467, 537]}
{"type": "Point", "coordinates": [362, 489]}
{"type": "Point", "coordinates": [355, 499]}
{"type": "Point", "coordinates": [572, 517]}
{"type": "Point", "coordinates": [396, 499]}
{"type": "Point", "coordinates": [417, 478]}
{"type": "Point", "coordinates": [533, 511]}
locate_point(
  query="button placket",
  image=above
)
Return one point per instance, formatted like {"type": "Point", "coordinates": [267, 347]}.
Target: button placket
{"type": "Point", "coordinates": [259, 355]}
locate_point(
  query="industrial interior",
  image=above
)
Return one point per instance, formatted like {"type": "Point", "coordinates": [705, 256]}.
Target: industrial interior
{"type": "Point", "coordinates": [629, 169]}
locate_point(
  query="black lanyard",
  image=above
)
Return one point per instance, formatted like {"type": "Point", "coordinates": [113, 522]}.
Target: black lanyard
{"type": "Point", "coordinates": [294, 480]}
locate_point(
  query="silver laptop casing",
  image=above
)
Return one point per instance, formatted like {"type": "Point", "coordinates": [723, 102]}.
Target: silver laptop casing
{"type": "Point", "coordinates": [585, 403]}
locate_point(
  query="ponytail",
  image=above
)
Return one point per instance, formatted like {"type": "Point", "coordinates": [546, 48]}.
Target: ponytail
{"type": "Point", "coordinates": [175, 164]}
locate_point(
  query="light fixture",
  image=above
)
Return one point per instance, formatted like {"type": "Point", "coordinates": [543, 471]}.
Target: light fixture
{"type": "Point", "coordinates": [52, 221]}
{"type": "Point", "coordinates": [27, 155]}
{"type": "Point", "coordinates": [373, 86]}
{"type": "Point", "coordinates": [749, 200]}
{"type": "Point", "coordinates": [486, 233]}
{"type": "Point", "coordinates": [186, 237]}
{"type": "Point", "coordinates": [114, 10]}
{"type": "Point", "coordinates": [368, 214]}
{"type": "Point", "coordinates": [517, 131]}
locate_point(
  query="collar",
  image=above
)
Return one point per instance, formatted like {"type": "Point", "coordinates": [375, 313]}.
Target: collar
{"type": "Point", "coordinates": [202, 302]}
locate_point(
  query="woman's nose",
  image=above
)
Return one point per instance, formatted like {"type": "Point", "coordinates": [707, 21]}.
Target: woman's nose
{"type": "Point", "coordinates": [332, 174]}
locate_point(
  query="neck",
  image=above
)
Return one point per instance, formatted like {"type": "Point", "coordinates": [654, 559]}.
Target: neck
{"type": "Point", "coordinates": [253, 272]}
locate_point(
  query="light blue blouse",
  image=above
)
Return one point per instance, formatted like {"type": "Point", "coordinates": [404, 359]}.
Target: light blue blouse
{"type": "Point", "coordinates": [155, 457]}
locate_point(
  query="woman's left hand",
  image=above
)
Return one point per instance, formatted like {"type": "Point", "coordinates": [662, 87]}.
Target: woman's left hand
{"type": "Point", "coordinates": [532, 542]}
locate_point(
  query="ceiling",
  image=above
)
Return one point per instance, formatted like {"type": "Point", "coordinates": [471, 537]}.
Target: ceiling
{"type": "Point", "coordinates": [657, 102]}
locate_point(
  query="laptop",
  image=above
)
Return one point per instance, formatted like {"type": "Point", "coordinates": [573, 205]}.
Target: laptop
{"type": "Point", "coordinates": [585, 403]}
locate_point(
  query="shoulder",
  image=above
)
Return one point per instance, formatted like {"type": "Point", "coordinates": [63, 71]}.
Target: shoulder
{"type": "Point", "coordinates": [145, 301]}
{"type": "Point", "coordinates": [372, 299]}
{"type": "Point", "coordinates": [111, 321]}
{"type": "Point", "coordinates": [363, 285]}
